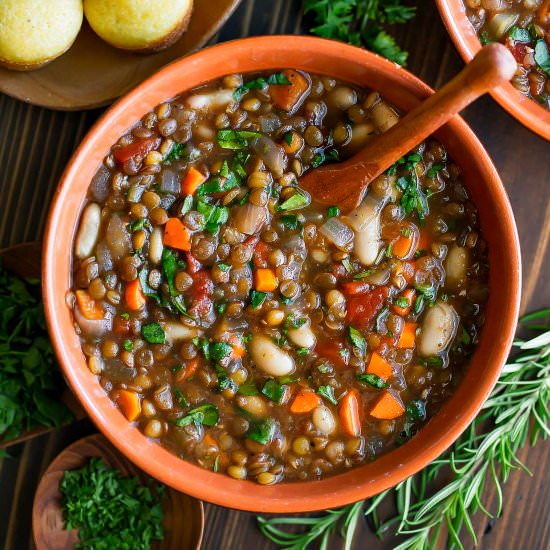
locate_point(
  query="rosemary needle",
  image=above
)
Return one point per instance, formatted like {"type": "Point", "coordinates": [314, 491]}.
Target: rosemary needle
{"type": "Point", "coordinates": [486, 453]}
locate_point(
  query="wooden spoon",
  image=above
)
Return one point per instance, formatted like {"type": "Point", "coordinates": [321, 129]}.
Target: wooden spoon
{"type": "Point", "coordinates": [183, 515]}
{"type": "Point", "coordinates": [345, 184]}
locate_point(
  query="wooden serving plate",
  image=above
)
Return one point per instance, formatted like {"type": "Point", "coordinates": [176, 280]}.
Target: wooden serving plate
{"type": "Point", "coordinates": [93, 73]}
{"type": "Point", "coordinates": [24, 261]}
{"type": "Point", "coordinates": [183, 515]}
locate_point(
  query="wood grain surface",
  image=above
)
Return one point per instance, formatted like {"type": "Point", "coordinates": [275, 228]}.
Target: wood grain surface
{"type": "Point", "coordinates": [36, 143]}
{"type": "Point", "coordinates": [183, 515]}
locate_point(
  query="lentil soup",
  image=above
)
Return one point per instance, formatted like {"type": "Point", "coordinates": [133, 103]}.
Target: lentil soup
{"type": "Point", "coordinates": [524, 27]}
{"type": "Point", "coordinates": [248, 329]}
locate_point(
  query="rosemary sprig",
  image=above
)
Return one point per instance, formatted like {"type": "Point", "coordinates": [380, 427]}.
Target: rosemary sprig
{"type": "Point", "coordinates": [486, 453]}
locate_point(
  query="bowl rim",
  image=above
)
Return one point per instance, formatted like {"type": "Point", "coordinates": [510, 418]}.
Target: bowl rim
{"type": "Point", "coordinates": [525, 110]}
{"type": "Point", "coordinates": [354, 484]}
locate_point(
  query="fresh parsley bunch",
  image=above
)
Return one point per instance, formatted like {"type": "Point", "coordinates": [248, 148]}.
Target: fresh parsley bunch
{"type": "Point", "coordinates": [30, 383]}
{"type": "Point", "coordinates": [361, 22]}
{"type": "Point", "coordinates": [111, 512]}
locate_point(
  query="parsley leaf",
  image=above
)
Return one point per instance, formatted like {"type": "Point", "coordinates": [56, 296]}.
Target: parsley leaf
{"type": "Point", "coordinates": [328, 393]}
{"type": "Point", "coordinates": [206, 415]}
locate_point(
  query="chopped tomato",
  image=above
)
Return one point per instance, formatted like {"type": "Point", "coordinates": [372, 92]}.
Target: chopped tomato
{"type": "Point", "coordinates": [354, 287]}
{"type": "Point", "coordinates": [363, 308]}
{"type": "Point", "coordinates": [202, 293]}
{"type": "Point", "coordinates": [138, 148]}
{"type": "Point", "coordinates": [333, 352]}
{"type": "Point", "coordinates": [193, 265]}
{"type": "Point", "coordinates": [519, 50]}
{"type": "Point", "coordinates": [261, 253]}
{"type": "Point", "coordinates": [338, 270]}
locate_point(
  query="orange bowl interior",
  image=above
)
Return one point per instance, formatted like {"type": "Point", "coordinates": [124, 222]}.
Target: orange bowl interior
{"type": "Point", "coordinates": [497, 223]}
{"type": "Point", "coordinates": [527, 111]}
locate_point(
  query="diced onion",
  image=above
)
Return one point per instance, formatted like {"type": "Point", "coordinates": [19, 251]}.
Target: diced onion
{"type": "Point", "coordinates": [269, 123]}
{"type": "Point", "coordinates": [500, 23]}
{"type": "Point", "coordinates": [337, 232]}
{"type": "Point", "coordinates": [250, 218]}
{"type": "Point", "coordinates": [271, 153]}
{"type": "Point", "coordinates": [93, 327]}
{"type": "Point", "coordinates": [170, 182]}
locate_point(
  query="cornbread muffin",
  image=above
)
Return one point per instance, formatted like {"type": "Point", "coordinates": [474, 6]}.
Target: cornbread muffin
{"type": "Point", "coordinates": [33, 33]}
{"type": "Point", "coordinates": [139, 25]}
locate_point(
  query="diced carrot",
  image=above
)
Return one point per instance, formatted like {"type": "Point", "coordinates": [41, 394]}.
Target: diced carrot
{"type": "Point", "coordinates": [387, 406]}
{"type": "Point", "coordinates": [292, 144]}
{"type": "Point", "coordinates": [265, 280]}
{"type": "Point", "coordinates": [424, 240]}
{"type": "Point", "coordinates": [238, 348]}
{"type": "Point", "coordinates": [405, 245]}
{"type": "Point", "coordinates": [176, 235]}
{"type": "Point", "coordinates": [351, 288]}
{"type": "Point", "coordinates": [129, 403]}
{"type": "Point", "coordinates": [349, 413]}
{"type": "Point", "coordinates": [134, 295]}
{"type": "Point", "coordinates": [305, 401]}
{"type": "Point", "coordinates": [89, 307]}
{"type": "Point", "coordinates": [406, 295]}
{"type": "Point", "coordinates": [379, 366]}
{"type": "Point", "coordinates": [332, 351]}
{"type": "Point", "coordinates": [191, 182]}
{"type": "Point", "coordinates": [138, 148]}
{"type": "Point", "coordinates": [407, 269]}
{"type": "Point", "coordinates": [287, 96]}
{"type": "Point", "coordinates": [408, 336]}
{"type": "Point", "coordinates": [544, 12]}
{"type": "Point", "coordinates": [189, 371]}
{"type": "Point", "coordinates": [209, 440]}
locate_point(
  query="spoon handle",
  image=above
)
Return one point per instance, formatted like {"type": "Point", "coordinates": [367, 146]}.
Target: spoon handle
{"type": "Point", "coordinates": [492, 66]}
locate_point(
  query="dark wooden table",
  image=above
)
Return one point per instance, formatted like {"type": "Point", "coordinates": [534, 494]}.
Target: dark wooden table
{"type": "Point", "coordinates": [36, 143]}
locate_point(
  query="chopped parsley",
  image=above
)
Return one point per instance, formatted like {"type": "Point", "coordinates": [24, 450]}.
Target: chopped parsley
{"type": "Point", "coordinates": [372, 380]}
{"type": "Point", "coordinates": [206, 415]}
{"type": "Point", "coordinates": [153, 333]}
{"type": "Point", "coordinates": [328, 393]}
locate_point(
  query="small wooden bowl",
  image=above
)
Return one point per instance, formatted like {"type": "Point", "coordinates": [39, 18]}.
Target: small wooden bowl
{"type": "Point", "coordinates": [183, 515]}
{"type": "Point", "coordinates": [24, 260]}
{"type": "Point", "coordinates": [92, 73]}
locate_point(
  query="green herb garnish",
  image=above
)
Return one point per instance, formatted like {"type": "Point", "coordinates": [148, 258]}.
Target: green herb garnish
{"type": "Point", "coordinates": [372, 380]}
{"type": "Point", "coordinates": [257, 298]}
{"type": "Point", "coordinates": [111, 512]}
{"type": "Point", "coordinates": [542, 55]}
{"type": "Point", "coordinates": [206, 415]}
{"type": "Point", "coordinates": [356, 339]}
{"type": "Point", "coordinates": [274, 390]}
{"type": "Point", "coordinates": [153, 333]}
{"type": "Point", "coordinates": [333, 211]}
{"type": "Point", "coordinates": [235, 139]}
{"type": "Point", "coordinates": [296, 202]}
{"type": "Point", "coordinates": [260, 84]}
{"type": "Point", "coordinates": [263, 432]}
{"type": "Point", "coordinates": [328, 393]}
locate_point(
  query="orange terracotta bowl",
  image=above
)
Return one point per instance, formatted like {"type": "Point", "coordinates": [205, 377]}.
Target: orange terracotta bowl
{"type": "Point", "coordinates": [497, 223]}
{"type": "Point", "coordinates": [527, 111]}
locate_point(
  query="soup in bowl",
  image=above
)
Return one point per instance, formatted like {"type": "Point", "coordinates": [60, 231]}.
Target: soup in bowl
{"type": "Point", "coordinates": [229, 330]}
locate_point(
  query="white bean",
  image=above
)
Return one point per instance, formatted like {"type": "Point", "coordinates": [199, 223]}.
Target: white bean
{"type": "Point", "coordinates": [302, 336]}
{"type": "Point", "coordinates": [269, 357]}
{"type": "Point", "coordinates": [438, 329]}
{"type": "Point", "coordinates": [155, 245]}
{"type": "Point", "coordinates": [253, 404]}
{"type": "Point", "coordinates": [88, 231]}
{"type": "Point", "coordinates": [177, 331]}
{"type": "Point", "coordinates": [456, 266]}
{"type": "Point", "coordinates": [206, 101]}
{"type": "Point", "coordinates": [384, 116]}
{"type": "Point", "coordinates": [365, 220]}
{"type": "Point", "coordinates": [324, 420]}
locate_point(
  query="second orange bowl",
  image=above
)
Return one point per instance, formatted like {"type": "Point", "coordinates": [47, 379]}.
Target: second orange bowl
{"type": "Point", "coordinates": [403, 90]}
